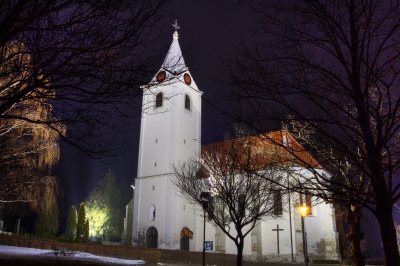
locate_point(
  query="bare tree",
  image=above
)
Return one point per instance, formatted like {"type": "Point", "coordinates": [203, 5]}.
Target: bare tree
{"type": "Point", "coordinates": [28, 150]}
{"type": "Point", "coordinates": [234, 172]}
{"type": "Point", "coordinates": [347, 187]}
{"type": "Point", "coordinates": [87, 58]}
{"type": "Point", "coordinates": [331, 66]}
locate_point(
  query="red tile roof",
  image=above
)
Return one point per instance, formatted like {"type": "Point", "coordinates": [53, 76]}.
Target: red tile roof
{"type": "Point", "coordinates": [256, 152]}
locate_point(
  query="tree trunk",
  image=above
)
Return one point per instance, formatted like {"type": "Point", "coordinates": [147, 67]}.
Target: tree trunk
{"type": "Point", "coordinates": [353, 219]}
{"type": "Point", "coordinates": [384, 216]}
{"type": "Point", "coordinates": [239, 257]}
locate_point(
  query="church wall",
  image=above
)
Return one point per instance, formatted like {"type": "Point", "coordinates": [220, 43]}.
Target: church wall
{"type": "Point", "coordinates": [185, 124]}
{"type": "Point", "coordinates": [198, 233]}
{"type": "Point", "coordinates": [151, 197]}
{"type": "Point", "coordinates": [185, 219]}
{"type": "Point", "coordinates": [155, 144]}
{"type": "Point", "coordinates": [231, 247]}
{"type": "Point", "coordinates": [159, 150]}
{"type": "Point", "coordinates": [270, 241]}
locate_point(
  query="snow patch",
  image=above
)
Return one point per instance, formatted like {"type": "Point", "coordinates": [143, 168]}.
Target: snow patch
{"type": "Point", "coordinates": [22, 251]}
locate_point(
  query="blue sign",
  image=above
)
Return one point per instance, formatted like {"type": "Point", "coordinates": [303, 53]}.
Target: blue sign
{"type": "Point", "coordinates": [208, 245]}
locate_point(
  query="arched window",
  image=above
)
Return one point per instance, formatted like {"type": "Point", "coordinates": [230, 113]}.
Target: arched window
{"type": "Point", "coordinates": [159, 99]}
{"type": "Point", "coordinates": [152, 213]}
{"type": "Point", "coordinates": [187, 102]}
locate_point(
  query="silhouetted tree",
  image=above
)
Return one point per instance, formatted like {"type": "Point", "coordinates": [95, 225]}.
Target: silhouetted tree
{"type": "Point", "coordinates": [87, 57]}
{"type": "Point", "coordinates": [233, 172]}
{"type": "Point", "coordinates": [330, 67]}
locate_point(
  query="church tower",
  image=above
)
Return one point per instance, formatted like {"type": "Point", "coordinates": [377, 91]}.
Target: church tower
{"type": "Point", "coordinates": [170, 133]}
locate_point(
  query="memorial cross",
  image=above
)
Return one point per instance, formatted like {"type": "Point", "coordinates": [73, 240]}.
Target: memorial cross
{"type": "Point", "coordinates": [277, 235]}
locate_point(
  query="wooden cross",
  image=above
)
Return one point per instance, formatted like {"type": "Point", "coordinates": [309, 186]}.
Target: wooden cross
{"type": "Point", "coordinates": [277, 235]}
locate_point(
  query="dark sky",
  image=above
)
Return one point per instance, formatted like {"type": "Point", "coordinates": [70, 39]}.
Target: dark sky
{"type": "Point", "coordinates": [210, 31]}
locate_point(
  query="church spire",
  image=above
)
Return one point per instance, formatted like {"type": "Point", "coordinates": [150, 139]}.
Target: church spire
{"type": "Point", "coordinates": [174, 62]}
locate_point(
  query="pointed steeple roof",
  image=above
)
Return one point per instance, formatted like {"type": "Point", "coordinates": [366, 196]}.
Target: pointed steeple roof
{"type": "Point", "coordinates": [174, 62]}
{"type": "Point", "coordinates": [174, 68]}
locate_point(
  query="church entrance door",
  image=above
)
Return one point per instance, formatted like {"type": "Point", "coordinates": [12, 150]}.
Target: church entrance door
{"type": "Point", "coordinates": [152, 236]}
{"type": "Point", "coordinates": [186, 234]}
{"type": "Point", "coordinates": [185, 243]}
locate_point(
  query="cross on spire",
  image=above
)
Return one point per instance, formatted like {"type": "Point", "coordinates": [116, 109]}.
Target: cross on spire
{"type": "Point", "coordinates": [175, 25]}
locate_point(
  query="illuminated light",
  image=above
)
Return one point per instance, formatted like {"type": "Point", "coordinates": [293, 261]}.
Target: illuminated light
{"type": "Point", "coordinates": [303, 210]}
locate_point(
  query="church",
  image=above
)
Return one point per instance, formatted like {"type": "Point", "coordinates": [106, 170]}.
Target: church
{"type": "Point", "coordinates": [171, 133]}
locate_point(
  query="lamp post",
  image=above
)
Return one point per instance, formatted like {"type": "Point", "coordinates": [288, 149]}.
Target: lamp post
{"type": "Point", "coordinates": [205, 197]}
{"type": "Point", "coordinates": [303, 212]}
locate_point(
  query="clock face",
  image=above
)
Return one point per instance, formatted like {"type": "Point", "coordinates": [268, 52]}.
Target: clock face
{"type": "Point", "coordinates": [161, 76]}
{"type": "Point", "coordinates": [187, 79]}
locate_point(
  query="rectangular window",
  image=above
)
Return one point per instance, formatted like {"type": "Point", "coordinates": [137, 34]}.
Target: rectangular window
{"type": "Point", "coordinates": [301, 199]}
{"type": "Point", "coordinates": [242, 202]}
{"type": "Point", "coordinates": [211, 207]}
{"type": "Point", "coordinates": [308, 204]}
{"type": "Point", "coordinates": [277, 202]}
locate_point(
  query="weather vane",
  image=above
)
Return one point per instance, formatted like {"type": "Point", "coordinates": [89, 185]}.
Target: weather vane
{"type": "Point", "coordinates": [175, 25]}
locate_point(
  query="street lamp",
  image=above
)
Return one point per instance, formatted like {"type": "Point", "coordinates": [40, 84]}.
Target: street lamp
{"type": "Point", "coordinates": [304, 212]}
{"type": "Point", "coordinates": [205, 198]}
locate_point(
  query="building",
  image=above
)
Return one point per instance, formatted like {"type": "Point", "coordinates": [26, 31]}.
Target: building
{"type": "Point", "coordinates": [171, 133]}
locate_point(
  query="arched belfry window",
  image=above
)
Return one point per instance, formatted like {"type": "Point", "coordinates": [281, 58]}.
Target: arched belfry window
{"type": "Point", "coordinates": [159, 99]}
{"type": "Point", "coordinates": [187, 102]}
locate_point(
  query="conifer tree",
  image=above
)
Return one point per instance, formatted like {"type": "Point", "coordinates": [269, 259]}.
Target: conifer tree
{"type": "Point", "coordinates": [80, 226]}
{"type": "Point", "coordinates": [71, 223]}
{"type": "Point", "coordinates": [86, 232]}
{"type": "Point", "coordinates": [105, 207]}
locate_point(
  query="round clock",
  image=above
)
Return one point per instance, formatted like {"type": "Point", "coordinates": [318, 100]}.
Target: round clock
{"type": "Point", "coordinates": [187, 79]}
{"type": "Point", "coordinates": [161, 76]}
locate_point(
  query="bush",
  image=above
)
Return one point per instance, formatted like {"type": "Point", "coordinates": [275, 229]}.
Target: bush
{"type": "Point", "coordinates": [375, 261]}
{"type": "Point", "coordinates": [325, 262]}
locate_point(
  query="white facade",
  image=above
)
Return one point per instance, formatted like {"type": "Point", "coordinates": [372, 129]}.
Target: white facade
{"type": "Point", "coordinates": [170, 134]}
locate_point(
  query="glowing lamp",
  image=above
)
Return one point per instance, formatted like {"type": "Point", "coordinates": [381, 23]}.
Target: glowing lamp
{"type": "Point", "coordinates": [303, 210]}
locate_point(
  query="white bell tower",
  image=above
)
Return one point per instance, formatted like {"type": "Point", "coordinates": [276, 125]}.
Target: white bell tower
{"type": "Point", "coordinates": [170, 133]}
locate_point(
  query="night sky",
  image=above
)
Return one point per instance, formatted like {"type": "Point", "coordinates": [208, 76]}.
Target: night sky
{"type": "Point", "coordinates": [210, 32]}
